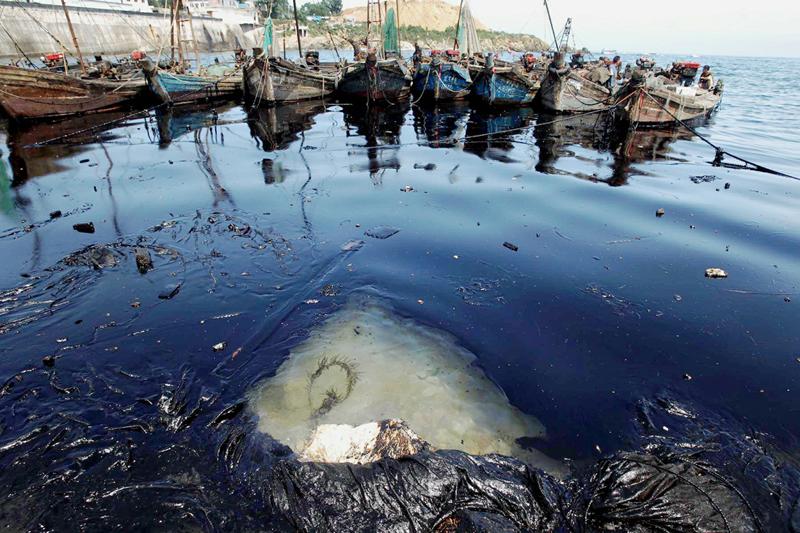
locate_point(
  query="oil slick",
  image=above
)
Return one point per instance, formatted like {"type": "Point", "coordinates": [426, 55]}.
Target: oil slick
{"type": "Point", "coordinates": [366, 364]}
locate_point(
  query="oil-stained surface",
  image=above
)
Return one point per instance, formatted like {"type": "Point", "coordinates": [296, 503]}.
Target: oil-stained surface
{"type": "Point", "coordinates": [224, 241]}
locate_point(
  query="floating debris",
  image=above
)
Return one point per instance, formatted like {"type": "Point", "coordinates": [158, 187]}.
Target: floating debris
{"type": "Point", "coordinates": [381, 232]}
{"type": "Point", "coordinates": [329, 290]}
{"type": "Point", "coordinates": [352, 246]}
{"type": "Point", "coordinates": [512, 247]}
{"type": "Point", "coordinates": [55, 214]}
{"type": "Point", "coordinates": [144, 263]}
{"type": "Point", "coordinates": [716, 273]}
{"type": "Point", "coordinates": [170, 292]}
{"type": "Point", "coordinates": [367, 443]}
{"type": "Point", "coordinates": [84, 227]}
{"type": "Point", "coordinates": [703, 179]}
{"type": "Point", "coordinates": [429, 166]}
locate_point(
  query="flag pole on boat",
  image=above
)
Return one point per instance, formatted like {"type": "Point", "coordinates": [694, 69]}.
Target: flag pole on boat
{"type": "Point", "coordinates": [552, 28]}
{"type": "Point", "coordinates": [74, 38]}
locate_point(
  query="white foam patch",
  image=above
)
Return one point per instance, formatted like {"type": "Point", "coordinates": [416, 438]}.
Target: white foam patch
{"type": "Point", "coordinates": [366, 364]}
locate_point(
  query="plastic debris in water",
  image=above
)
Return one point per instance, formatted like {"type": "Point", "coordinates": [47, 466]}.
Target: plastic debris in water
{"type": "Point", "coordinates": [367, 364]}
{"type": "Point", "coordinates": [716, 273]}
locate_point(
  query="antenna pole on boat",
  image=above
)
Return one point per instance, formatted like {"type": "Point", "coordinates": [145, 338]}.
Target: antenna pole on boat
{"type": "Point", "coordinates": [458, 25]}
{"type": "Point", "coordinates": [552, 28]}
{"type": "Point", "coordinates": [74, 38]}
{"type": "Point", "coordinates": [297, 29]}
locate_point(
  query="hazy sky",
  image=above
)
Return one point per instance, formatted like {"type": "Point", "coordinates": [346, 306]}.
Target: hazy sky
{"type": "Point", "coordinates": [732, 27]}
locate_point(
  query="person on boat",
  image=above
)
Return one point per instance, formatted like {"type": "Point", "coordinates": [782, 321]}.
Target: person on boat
{"type": "Point", "coordinates": [416, 59]}
{"type": "Point", "coordinates": [312, 59]}
{"type": "Point", "coordinates": [706, 79]}
{"type": "Point", "coordinates": [615, 71]}
{"type": "Point", "coordinates": [529, 62]}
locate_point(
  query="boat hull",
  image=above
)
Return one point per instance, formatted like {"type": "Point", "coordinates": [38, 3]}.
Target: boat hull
{"type": "Point", "coordinates": [668, 105]}
{"type": "Point", "coordinates": [441, 83]}
{"type": "Point", "coordinates": [571, 93]}
{"type": "Point", "coordinates": [386, 81]}
{"type": "Point", "coordinates": [186, 88]}
{"type": "Point", "coordinates": [267, 82]}
{"type": "Point", "coordinates": [504, 87]}
{"type": "Point", "coordinates": [41, 95]}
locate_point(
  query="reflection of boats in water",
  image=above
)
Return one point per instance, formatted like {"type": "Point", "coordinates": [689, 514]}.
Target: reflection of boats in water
{"type": "Point", "coordinates": [174, 123]}
{"type": "Point", "coordinates": [490, 131]}
{"type": "Point", "coordinates": [277, 127]}
{"type": "Point", "coordinates": [379, 125]}
{"type": "Point", "coordinates": [442, 125]}
{"type": "Point", "coordinates": [557, 133]}
{"type": "Point", "coordinates": [34, 153]}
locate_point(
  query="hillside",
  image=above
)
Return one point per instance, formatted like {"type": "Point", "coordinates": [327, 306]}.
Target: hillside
{"type": "Point", "coordinates": [437, 15]}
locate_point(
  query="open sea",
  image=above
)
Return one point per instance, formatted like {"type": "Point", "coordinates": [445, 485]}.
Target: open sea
{"type": "Point", "coordinates": [529, 241]}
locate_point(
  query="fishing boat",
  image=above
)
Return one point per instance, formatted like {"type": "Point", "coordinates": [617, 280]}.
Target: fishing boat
{"type": "Point", "coordinates": [444, 77]}
{"type": "Point", "coordinates": [507, 85]}
{"type": "Point", "coordinates": [382, 75]}
{"type": "Point", "coordinates": [376, 80]}
{"type": "Point", "coordinates": [654, 101]}
{"type": "Point", "coordinates": [271, 80]}
{"type": "Point", "coordinates": [39, 94]}
{"type": "Point", "coordinates": [172, 88]}
{"type": "Point", "coordinates": [567, 90]}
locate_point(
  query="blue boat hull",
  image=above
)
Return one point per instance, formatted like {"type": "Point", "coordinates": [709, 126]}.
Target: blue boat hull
{"type": "Point", "coordinates": [443, 82]}
{"type": "Point", "coordinates": [502, 89]}
{"type": "Point", "coordinates": [182, 88]}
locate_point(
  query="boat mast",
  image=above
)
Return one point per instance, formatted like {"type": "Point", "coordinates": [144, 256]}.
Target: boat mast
{"type": "Point", "coordinates": [74, 38]}
{"type": "Point", "coordinates": [297, 29]}
{"type": "Point", "coordinates": [397, 16]}
{"type": "Point", "coordinates": [552, 28]}
{"type": "Point", "coordinates": [458, 25]}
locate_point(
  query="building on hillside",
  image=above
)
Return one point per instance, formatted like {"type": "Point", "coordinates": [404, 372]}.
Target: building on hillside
{"type": "Point", "coordinates": [138, 6]}
{"type": "Point", "coordinates": [230, 11]}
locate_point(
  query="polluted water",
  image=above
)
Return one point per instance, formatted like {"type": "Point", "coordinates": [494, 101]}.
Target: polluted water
{"type": "Point", "coordinates": [366, 363]}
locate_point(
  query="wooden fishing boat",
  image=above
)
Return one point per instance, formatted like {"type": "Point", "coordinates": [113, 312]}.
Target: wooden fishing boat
{"type": "Point", "coordinates": [274, 80]}
{"type": "Point", "coordinates": [506, 85]}
{"type": "Point", "coordinates": [38, 94]}
{"type": "Point", "coordinates": [171, 88]}
{"type": "Point", "coordinates": [441, 80]}
{"type": "Point", "coordinates": [655, 101]}
{"type": "Point", "coordinates": [387, 80]}
{"type": "Point", "coordinates": [565, 90]}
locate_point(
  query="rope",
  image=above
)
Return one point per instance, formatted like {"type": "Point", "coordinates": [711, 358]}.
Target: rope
{"type": "Point", "coordinates": [720, 152]}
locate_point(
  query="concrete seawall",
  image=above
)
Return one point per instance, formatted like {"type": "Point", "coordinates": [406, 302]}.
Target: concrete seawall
{"type": "Point", "coordinates": [107, 32]}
